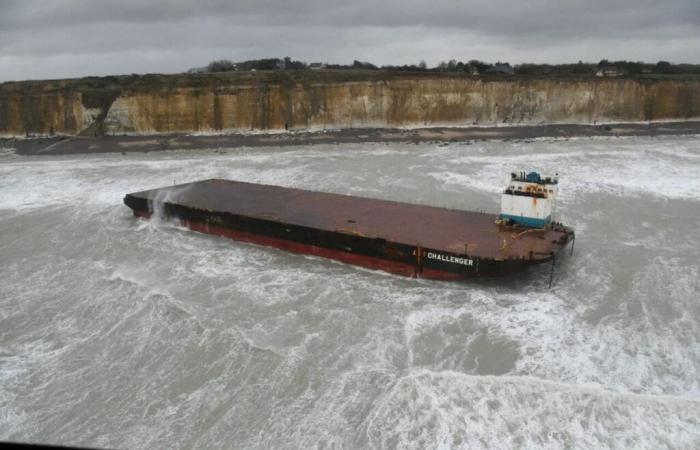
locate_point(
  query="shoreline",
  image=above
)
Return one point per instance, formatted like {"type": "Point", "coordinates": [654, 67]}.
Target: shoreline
{"type": "Point", "coordinates": [67, 145]}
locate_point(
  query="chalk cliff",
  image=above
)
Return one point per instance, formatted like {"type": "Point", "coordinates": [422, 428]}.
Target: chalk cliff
{"type": "Point", "coordinates": [241, 102]}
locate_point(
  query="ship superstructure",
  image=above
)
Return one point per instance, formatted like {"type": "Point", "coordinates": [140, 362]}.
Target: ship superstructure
{"type": "Point", "coordinates": [530, 199]}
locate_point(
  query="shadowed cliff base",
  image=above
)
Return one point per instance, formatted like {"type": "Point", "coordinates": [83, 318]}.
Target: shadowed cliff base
{"type": "Point", "coordinates": [63, 145]}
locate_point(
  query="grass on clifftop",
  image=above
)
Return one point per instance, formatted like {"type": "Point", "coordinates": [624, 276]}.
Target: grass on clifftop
{"type": "Point", "coordinates": [166, 82]}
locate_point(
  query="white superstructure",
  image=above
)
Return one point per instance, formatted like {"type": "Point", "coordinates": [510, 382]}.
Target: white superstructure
{"type": "Point", "coordinates": [529, 199]}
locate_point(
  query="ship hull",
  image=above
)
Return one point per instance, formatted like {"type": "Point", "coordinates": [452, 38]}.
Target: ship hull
{"type": "Point", "coordinates": [345, 245]}
{"type": "Point", "coordinates": [369, 262]}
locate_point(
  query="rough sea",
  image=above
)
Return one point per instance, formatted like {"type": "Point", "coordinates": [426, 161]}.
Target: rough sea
{"type": "Point", "coordinates": [123, 333]}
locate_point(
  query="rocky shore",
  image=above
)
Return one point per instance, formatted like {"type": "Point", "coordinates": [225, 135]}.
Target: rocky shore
{"type": "Point", "coordinates": [63, 145]}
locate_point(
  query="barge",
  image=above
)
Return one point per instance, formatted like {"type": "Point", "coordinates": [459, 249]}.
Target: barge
{"type": "Point", "coordinates": [401, 238]}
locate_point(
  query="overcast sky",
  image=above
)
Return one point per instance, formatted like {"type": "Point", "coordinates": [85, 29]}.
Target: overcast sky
{"type": "Point", "coordinates": [73, 38]}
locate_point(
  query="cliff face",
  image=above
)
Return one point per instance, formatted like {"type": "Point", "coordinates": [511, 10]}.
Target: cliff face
{"type": "Point", "coordinates": [234, 103]}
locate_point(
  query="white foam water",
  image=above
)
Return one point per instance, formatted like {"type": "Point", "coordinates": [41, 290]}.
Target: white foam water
{"type": "Point", "coordinates": [120, 332]}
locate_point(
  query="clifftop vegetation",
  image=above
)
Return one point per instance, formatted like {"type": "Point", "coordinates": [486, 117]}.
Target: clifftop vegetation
{"type": "Point", "coordinates": [474, 67]}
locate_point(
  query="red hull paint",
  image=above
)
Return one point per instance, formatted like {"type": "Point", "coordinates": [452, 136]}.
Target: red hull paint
{"type": "Point", "coordinates": [296, 247]}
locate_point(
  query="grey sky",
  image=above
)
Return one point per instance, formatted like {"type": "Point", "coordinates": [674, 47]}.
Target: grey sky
{"type": "Point", "coordinates": [69, 38]}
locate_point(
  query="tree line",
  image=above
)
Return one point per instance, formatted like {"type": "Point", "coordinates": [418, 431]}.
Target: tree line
{"type": "Point", "coordinates": [473, 66]}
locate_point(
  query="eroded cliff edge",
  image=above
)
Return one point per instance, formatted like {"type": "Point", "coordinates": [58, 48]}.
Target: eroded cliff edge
{"type": "Point", "coordinates": [305, 100]}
